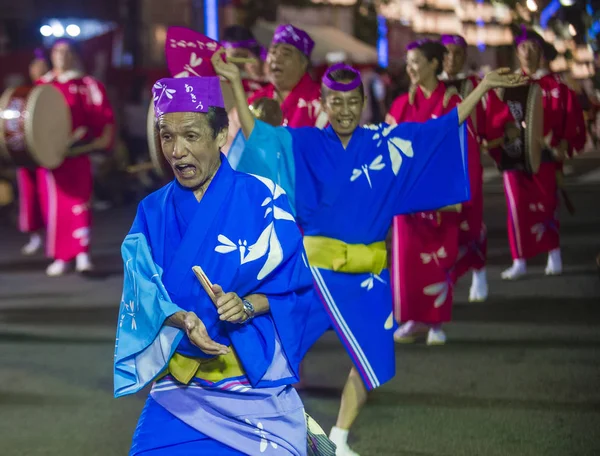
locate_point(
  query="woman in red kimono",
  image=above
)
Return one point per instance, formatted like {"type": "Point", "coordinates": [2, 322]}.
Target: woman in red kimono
{"type": "Point", "coordinates": [490, 121]}
{"type": "Point", "coordinates": [67, 190]}
{"type": "Point", "coordinates": [533, 225]}
{"type": "Point", "coordinates": [425, 245]}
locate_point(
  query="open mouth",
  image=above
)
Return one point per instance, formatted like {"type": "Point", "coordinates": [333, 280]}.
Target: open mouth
{"type": "Point", "coordinates": [345, 123]}
{"type": "Point", "coordinates": [276, 70]}
{"type": "Point", "coordinates": [185, 170]}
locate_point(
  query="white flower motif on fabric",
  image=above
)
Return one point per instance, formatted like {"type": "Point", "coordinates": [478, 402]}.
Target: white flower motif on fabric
{"type": "Point", "coordinates": [370, 282]}
{"type": "Point", "coordinates": [164, 91]}
{"type": "Point", "coordinates": [538, 229]}
{"type": "Point", "coordinates": [268, 241]}
{"type": "Point", "coordinates": [129, 311]}
{"type": "Point", "coordinates": [375, 165]}
{"type": "Point", "coordinates": [440, 290]}
{"type": "Point", "coordinates": [260, 431]}
{"type": "Point", "coordinates": [79, 209]}
{"type": "Point", "coordinates": [396, 145]}
{"type": "Point", "coordinates": [539, 207]}
{"type": "Point", "coordinates": [426, 258]}
{"type": "Point", "coordinates": [188, 68]}
{"type": "Point", "coordinates": [314, 107]}
{"type": "Point", "coordinates": [389, 322]}
{"type": "Point", "coordinates": [464, 226]}
{"type": "Point", "coordinates": [83, 235]}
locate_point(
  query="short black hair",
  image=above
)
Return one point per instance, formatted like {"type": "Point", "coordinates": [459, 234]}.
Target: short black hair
{"type": "Point", "coordinates": [549, 51]}
{"type": "Point", "coordinates": [434, 50]}
{"type": "Point", "coordinates": [344, 75]}
{"type": "Point", "coordinates": [217, 119]}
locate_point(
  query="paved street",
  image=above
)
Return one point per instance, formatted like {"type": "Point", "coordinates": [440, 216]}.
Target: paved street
{"type": "Point", "coordinates": [519, 376]}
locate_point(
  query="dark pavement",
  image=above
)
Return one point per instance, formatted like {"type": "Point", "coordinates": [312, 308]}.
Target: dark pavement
{"type": "Point", "coordinates": [518, 377]}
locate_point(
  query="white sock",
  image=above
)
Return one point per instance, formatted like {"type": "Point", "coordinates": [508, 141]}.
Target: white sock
{"type": "Point", "coordinates": [519, 263]}
{"type": "Point", "coordinates": [35, 239]}
{"type": "Point", "coordinates": [479, 277]}
{"type": "Point", "coordinates": [338, 435]}
{"type": "Point", "coordinates": [554, 258]}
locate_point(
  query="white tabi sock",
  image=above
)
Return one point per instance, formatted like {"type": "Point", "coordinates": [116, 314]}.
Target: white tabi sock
{"type": "Point", "coordinates": [518, 269]}
{"type": "Point", "coordinates": [479, 278]}
{"type": "Point", "coordinates": [338, 435]}
{"type": "Point", "coordinates": [554, 265]}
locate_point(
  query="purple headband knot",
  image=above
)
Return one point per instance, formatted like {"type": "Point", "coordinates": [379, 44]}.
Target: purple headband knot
{"type": "Point", "coordinates": [187, 95]}
{"type": "Point", "coordinates": [288, 34]}
{"type": "Point", "coordinates": [453, 39]}
{"type": "Point", "coordinates": [341, 86]}
{"type": "Point", "coordinates": [251, 45]}
{"type": "Point", "coordinates": [417, 44]}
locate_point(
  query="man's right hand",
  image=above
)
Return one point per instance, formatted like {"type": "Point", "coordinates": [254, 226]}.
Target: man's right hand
{"type": "Point", "coordinates": [197, 333]}
{"type": "Point", "coordinates": [229, 71]}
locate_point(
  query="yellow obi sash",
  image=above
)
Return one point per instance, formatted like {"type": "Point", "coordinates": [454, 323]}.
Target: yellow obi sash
{"type": "Point", "coordinates": [184, 368]}
{"type": "Point", "coordinates": [334, 255]}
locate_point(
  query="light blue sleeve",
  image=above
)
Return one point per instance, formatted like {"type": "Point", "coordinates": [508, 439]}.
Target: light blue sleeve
{"type": "Point", "coordinates": [430, 162]}
{"type": "Point", "coordinates": [268, 152]}
{"type": "Point", "coordinates": [143, 345]}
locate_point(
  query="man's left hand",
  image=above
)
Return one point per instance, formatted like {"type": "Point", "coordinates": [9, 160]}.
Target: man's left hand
{"type": "Point", "coordinates": [229, 305]}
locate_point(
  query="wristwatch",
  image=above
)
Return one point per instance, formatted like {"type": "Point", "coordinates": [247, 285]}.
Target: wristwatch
{"type": "Point", "coordinates": [248, 309]}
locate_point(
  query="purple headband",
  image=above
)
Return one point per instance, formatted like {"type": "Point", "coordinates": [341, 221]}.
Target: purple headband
{"type": "Point", "coordinates": [417, 44]}
{"type": "Point", "coordinates": [187, 95]}
{"type": "Point", "coordinates": [39, 54]}
{"type": "Point", "coordinates": [72, 43]}
{"type": "Point", "coordinates": [341, 86]}
{"type": "Point", "coordinates": [288, 34]}
{"type": "Point", "coordinates": [529, 35]}
{"type": "Point", "coordinates": [251, 45]}
{"type": "Point", "coordinates": [453, 39]}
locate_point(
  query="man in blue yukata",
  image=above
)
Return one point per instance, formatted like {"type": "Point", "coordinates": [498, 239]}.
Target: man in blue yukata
{"type": "Point", "coordinates": [345, 183]}
{"type": "Point", "coordinates": [216, 296]}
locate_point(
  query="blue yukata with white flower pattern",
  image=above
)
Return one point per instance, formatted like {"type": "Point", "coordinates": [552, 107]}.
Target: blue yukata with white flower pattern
{"type": "Point", "coordinates": [245, 238]}
{"type": "Point", "coordinates": [352, 195]}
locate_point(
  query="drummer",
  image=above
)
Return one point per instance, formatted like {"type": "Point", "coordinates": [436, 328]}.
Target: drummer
{"type": "Point", "coordinates": [68, 188]}
{"type": "Point", "coordinates": [533, 225]}
{"type": "Point", "coordinates": [30, 212]}
{"type": "Point", "coordinates": [490, 119]}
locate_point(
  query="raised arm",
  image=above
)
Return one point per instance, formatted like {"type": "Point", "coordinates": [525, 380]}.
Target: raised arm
{"type": "Point", "coordinates": [231, 72]}
{"type": "Point", "coordinates": [493, 80]}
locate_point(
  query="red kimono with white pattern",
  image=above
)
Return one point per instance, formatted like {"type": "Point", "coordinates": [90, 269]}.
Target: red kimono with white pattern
{"type": "Point", "coordinates": [302, 107]}
{"type": "Point", "coordinates": [425, 245]}
{"type": "Point", "coordinates": [532, 201]}
{"type": "Point", "coordinates": [59, 199]}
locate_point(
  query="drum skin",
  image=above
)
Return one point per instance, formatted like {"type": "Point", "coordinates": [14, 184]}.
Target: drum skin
{"type": "Point", "coordinates": [526, 106]}
{"type": "Point", "coordinates": [35, 127]}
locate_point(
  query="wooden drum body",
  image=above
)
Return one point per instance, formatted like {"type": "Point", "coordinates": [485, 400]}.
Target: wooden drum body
{"type": "Point", "coordinates": [524, 152]}
{"type": "Point", "coordinates": [35, 127]}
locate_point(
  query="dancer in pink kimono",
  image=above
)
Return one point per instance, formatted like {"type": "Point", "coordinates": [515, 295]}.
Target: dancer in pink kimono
{"type": "Point", "coordinates": [65, 192]}
{"type": "Point", "coordinates": [425, 245]}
